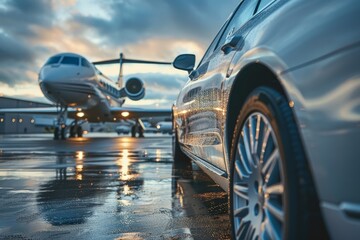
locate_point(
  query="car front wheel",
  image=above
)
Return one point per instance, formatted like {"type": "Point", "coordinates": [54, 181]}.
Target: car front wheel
{"type": "Point", "coordinates": [271, 190]}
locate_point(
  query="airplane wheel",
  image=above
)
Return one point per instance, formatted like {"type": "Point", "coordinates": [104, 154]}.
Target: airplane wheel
{"type": "Point", "coordinates": [141, 132]}
{"type": "Point", "coordinates": [63, 133]}
{"type": "Point", "coordinates": [72, 132]}
{"type": "Point", "coordinates": [56, 133]}
{"type": "Point", "coordinates": [80, 131]}
{"type": "Point", "coordinates": [133, 131]}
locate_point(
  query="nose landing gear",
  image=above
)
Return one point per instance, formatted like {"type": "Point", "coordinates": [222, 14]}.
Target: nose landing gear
{"type": "Point", "coordinates": [60, 128]}
{"type": "Point", "coordinates": [76, 130]}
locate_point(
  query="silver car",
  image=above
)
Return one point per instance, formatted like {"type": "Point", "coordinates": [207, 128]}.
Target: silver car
{"type": "Point", "coordinates": [272, 114]}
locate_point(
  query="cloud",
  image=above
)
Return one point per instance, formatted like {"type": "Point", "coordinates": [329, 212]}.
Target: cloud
{"type": "Point", "coordinates": [17, 17]}
{"type": "Point", "coordinates": [161, 82]}
{"type": "Point", "coordinates": [13, 51]}
{"type": "Point", "coordinates": [136, 20]}
{"type": "Point", "coordinates": [23, 91]}
{"type": "Point", "coordinates": [32, 31]}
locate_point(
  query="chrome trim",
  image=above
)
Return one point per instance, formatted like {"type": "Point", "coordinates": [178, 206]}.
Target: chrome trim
{"type": "Point", "coordinates": [202, 162]}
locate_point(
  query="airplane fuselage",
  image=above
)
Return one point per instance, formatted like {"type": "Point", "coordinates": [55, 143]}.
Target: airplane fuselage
{"type": "Point", "coordinates": [82, 93]}
{"type": "Point", "coordinates": [70, 80]}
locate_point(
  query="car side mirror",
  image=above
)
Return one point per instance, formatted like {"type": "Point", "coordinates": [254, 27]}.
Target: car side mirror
{"type": "Point", "coordinates": [185, 62]}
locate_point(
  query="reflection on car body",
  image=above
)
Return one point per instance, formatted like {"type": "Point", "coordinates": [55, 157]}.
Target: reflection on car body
{"type": "Point", "coordinates": [272, 114]}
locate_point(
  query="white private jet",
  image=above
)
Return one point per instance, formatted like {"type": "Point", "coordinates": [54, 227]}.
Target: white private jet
{"type": "Point", "coordinates": [81, 92]}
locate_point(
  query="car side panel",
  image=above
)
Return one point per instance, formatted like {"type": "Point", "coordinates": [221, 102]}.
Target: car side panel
{"type": "Point", "coordinates": [317, 63]}
{"type": "Point", "coordinates": [313, 49]}
{"type": "Point", "coordinates": [196, 119]}
{"type": "Point", "coordinates": [287, 49]}
{"type": "Point", "coordinates": [204, 97]}
{"type": "Point", "coordinates": [295, 39]}
{"type": "Point", "coordinates": [329, 113]}
{"type": "Point", "coordinates": [329, 116]}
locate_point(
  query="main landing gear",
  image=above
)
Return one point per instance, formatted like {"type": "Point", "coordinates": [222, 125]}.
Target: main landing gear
{"type": "Point", "coordinates": [138, 127]}
{"type": "Point", "coordinates": [76, 130]}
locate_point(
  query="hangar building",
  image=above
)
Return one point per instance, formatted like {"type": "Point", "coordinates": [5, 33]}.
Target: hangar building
{"type": "Point", "coordinates": [11, 123]}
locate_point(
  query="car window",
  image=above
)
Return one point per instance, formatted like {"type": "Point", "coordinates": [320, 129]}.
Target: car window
{"type": "Point", "coordinates": [212, 46]}
{"type": "Point", "coordinates": [241, 16]}
{"type": "Point", "coordinates": [263, 4]}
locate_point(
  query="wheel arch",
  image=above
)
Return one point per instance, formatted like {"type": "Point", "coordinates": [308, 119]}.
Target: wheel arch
{"type": "Point", "coordinates": [251, 76]}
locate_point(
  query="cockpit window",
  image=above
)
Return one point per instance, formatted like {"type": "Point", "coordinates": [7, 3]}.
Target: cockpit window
{"type": "Point", "coordinates": [70, 61]}
{"type": "Point", "coordinates": [85, 63]}
{"type": "Point", "coordinates": [53, 60]}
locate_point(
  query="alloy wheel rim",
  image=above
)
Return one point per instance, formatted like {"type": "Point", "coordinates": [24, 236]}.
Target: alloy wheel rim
{"type": "Point", "coordinates": [258, 182]}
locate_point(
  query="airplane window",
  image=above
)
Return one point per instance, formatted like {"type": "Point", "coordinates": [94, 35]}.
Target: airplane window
{"type": "Point", "coordinates": [53, 60]}
{"type": "Point", "coordinates": [70, 61]}
{"type": "Point", "coordinates": [84, 62]}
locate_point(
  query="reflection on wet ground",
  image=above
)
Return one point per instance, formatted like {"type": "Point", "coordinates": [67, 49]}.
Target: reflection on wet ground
{"type": "Point", "coordinates": [104, 187]}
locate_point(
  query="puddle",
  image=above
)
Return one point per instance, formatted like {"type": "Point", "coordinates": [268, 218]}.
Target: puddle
{"type": "Point", "coordinates": [87, 192]}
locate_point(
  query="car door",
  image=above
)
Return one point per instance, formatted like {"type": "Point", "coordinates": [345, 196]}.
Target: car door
{"type": "Point", "coordinates": [202, 99]}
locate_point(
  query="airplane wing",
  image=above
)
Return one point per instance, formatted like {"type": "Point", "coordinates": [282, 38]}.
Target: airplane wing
{"type": "Point", "coordinates": [117, 112]}
{"type": "Point", "coordinates": [125, 60]}
{"type": "Point", "coordinates": [131, 112]}
{"type": "Point", "coordinates": [35, 110]}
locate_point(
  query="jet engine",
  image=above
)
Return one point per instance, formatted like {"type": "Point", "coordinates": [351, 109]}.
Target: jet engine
{"type": "Point", "coordinates": [134, 89]}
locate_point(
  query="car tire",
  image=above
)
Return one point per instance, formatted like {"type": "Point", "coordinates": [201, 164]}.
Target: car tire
{"type": "Point", "coordinates": [271, 192]}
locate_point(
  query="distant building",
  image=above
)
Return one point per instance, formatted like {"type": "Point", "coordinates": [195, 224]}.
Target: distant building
{"type": "Point", "coordinates": [11, 123]}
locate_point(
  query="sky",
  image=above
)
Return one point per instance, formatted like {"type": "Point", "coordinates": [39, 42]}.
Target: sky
{"type": "Point", "coordinates": [32, 31]}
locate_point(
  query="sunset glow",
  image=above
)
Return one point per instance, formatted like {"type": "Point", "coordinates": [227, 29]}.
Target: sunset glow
{"type": "Point", "coordinates": [32, 31]}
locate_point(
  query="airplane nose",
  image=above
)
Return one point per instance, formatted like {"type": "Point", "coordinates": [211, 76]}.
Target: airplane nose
{"type": "Point", "coordinates": [49, 75]}
{"type": "Point", "coordinates": [61, 74]}
{"type": "Point", "coordinates": [51, 80]}
{"type": "Point", "coordinates": [48, 83]}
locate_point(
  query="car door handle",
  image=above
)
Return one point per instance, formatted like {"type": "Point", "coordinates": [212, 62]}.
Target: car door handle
{"type": "Point", "coordinates": [200, 71]}
{"type": "Point", "coordinates": [232, 44]}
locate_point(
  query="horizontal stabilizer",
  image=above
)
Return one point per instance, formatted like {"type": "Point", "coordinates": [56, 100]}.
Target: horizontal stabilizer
{"type": "Point", "coordinates": [124, 60]}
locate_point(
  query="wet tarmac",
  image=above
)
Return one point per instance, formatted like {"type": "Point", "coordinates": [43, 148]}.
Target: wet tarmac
{"type": "Point", "coordinates": [104, 187]}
